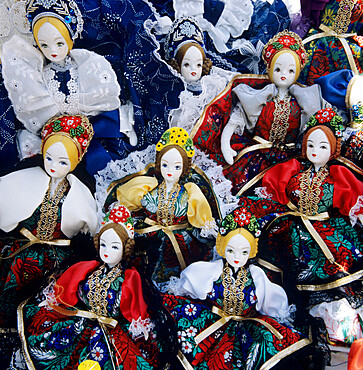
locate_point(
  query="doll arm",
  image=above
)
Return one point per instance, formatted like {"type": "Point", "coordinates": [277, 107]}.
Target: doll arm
{"type": "Point", "coordinates": [66, 287]}
{"type": "Point", "coordinates": [348, 193]}
{"type": "Point", "coordinates": [310, 100]}
{"type": "Point", "coordinates": [133, 306]}
{"type": "Point", "coordinates": [199, 212]}
{"type": "Point", "coordinates": [127, 122]}
{"type": "Point", "coordinates": [236, 122]}
{"type": "Point", "coordinates": [253, 100]}
{"type": "Point", "coordinates": [277, 178]}
{"type": "Point", "coordinates": [271, 298]}
{"type": "Point", "coordinates": [131, 193]}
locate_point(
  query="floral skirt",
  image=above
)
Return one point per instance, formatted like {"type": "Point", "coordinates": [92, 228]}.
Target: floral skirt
{"type": "Point", "coordinates": [236, 345]}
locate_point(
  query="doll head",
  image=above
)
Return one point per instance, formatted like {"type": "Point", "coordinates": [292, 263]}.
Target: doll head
{"type": "Point", "coordinates": [65, 136]}
{"type": "Point", "coordinates": [52, 38]}
{"type": "Point", "coordinates": [282, 43]}
{"type": "Point", "coordinates": [175, 148]}
{"type": "Point", "coordinates": [115, 240]}
{"type": "Point", "coordinates": [190, 61]}
{"type": "Point", "coordinates": [69, 18]}
{"type": "Point", "coordinates": [185, 40]}
{"type": "Point", "coordinates": [238, 234]}
{"type": "Point", "coordinates": [324, 130]}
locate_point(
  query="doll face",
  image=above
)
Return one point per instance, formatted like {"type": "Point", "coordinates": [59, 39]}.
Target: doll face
{"type": "Point", "coordinates": [52, 43]}
{"type": "Point", "coordinates": [284, 70]}
{"type": "Point", "coordinates": [56, 161]}
{"type": "Point", "coordinates": [192, 63]}
{"type": "Point", "coordinates": [318, 149]}
{"type": "Point", "coordinates": [237, 251]}
{"type": "Point", "coordinates": [171, 166]}
{"type": "Point", "coordinates": [111, 247]}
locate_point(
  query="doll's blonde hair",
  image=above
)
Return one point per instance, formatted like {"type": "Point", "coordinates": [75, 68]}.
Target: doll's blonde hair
{"type": "Point", "coordinates": [69, 144]}
{"type": "Point", "coordinates": [222, 241]}
{"type": "Point", "coordinates": [273, 61]}
{"type": "Point", "coordinates": [58, 24]}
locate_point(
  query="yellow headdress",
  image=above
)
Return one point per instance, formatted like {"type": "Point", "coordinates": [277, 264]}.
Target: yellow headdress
{"type": "Point", "coordinates": [176, 136]}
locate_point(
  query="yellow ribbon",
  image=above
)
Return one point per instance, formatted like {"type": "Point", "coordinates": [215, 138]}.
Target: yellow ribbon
{"type": "Point", "coordinates": [226, 318]}
{"type": "Point", "coordinates": [86, 314]}
{"type": "Point", "coordinates": [34, 240]}
{"type": "Point", "coordinates": [168, 230]}
{"type": "Point", "coordinates": [262, 144]}
{"type": "Point", "coordinates": [342, 38]}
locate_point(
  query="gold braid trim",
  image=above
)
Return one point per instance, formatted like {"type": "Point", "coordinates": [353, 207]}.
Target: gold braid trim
{"type": "Point", "coordinates": [98, 286]}
{"type": "Point", "coordinates": [343, 17]}
{"type": "Point", "coordinates": [49, 211]}
{"type": "Point", "coordinates": [166, 204]}
{"type": "Point", "coordinates": [233, 296]}
{"type": "Point", "coordinates": [280, 123]}
{"type": "Point", "coordinates": [309, 197]}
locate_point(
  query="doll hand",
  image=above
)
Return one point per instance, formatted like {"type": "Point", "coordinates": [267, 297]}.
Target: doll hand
{"type": "Point", "coordinates": [132, 137]}
{"type": "Point", "coordinates": [228, 153]}
{"type": "Point", "coordinates": [360, 218]}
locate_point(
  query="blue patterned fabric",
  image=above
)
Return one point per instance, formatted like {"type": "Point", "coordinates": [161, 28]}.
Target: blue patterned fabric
{"type": "Point", "coordinates": [115, 29]}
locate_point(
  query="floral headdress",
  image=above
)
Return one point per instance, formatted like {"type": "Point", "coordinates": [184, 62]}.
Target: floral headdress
{"type": "Point", "coordinates": [176, 136]}
{"type": "Point", "coordinates": [327, 117]}
{"type": "Point", "coordinates": [119, 214]}
{"type": "Point", "coordinates": [66, 11]}
{"type": "Point", "coordinates": [184, 30]}
{"type": "Point", "coordinates": [284, 40]}
{"type": "Point", "coordinates": [239, 221]}
{"type": "Point", "coordinates": [78, 128]}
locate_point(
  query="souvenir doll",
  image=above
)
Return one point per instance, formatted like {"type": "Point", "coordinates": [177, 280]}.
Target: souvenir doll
{"type": "Point", "coordinates": [95, 311]}
{"type": "Point", "coordinates": [274, 114]}
{"type": "Point", "coordinates": [311, 238]}
{"type": "Point", "coordinates": [344, 90]}
{"type": "Point", "coordinates": [334, 41]}
{"type": "Point", "coordinates": [174, 210]}
{"type": "Point", "coordinates": [229, 314]}
{"type": "Point", "coordinates": [53, 78]}
{"type": "Point", "coordinates": [41, 210]}
{"type": "Point", "coordinates": [184, 51]}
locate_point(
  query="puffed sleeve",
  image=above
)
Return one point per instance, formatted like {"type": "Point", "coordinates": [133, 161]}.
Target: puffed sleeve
{"type": "Point", "coordinates": [347, 189]}
{"type": "Point", "coordinates": [66, 287]}
{"type": "Point", "coordinates": [199, 212]}
{"type": "Point", "coordinates": [276, 179]}
{"type": "Point", "coordinates": [131, 193]}
{"type": "Point", "coordinates": [133, 306]}
{"type": "Point", "coordinates": [253, 100]}
{"type": "Point", "coordinates": [271, 298]}
{"type": "Point", "coordinates": [22, 67]}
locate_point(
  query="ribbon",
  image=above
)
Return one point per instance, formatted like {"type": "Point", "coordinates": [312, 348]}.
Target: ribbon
{"type": "Point", "coordinates": [226, 318]}
{"type": "Point", "coordinates": [168, 230]}
{"type": "Point", "coordinates": [262, 144]}
{"type": "Point", "coordinates": [86, 314]}
{"type": "Point", "coordinates": [342, 38]}
{"type": "Point", "coordinates": [34, 240]}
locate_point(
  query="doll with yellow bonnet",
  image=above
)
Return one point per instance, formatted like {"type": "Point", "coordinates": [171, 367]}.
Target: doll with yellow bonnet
{"type": "Point", "coordinates": [53, 78]}
{"type": "Point", "coordinates": [228, 313]}
{"type": "Point", "coordinates": [170, 209]}
{"type": "Point", "coordinates": [41, 210]}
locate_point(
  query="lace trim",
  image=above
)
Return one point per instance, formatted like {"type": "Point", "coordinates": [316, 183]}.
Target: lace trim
{"type": "Point", "coordinates": [141, 327]}
{"type": "Point", "coordinates": [67, 103]}
{"type": "Point", "coordinates": [210, 228]}
{"type": "Point", "coordinates": [49, 296]}
{"type": "Point", "coordinates": [356, 210]}
{"type": "Point", "coordinates": [261, 192]}
{"type": "Point", "coordinates": [286, 316]}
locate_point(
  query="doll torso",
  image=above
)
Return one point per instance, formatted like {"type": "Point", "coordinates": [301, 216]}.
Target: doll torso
{"type": "Point", "coordinates": [112, 278]}
{"type": "Point", "coordinates": [266, 118]}
{"type": "Point", "coordinates": [216, 296]}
